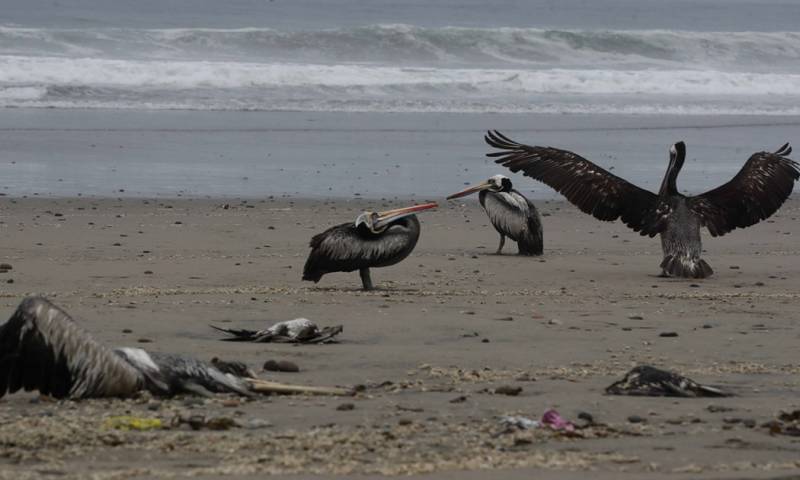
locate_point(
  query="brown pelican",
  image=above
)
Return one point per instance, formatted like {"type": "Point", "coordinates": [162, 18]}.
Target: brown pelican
{"type": "Point", "coordinates": [649, 381]}
{"type": "Point", "coordinates": [375, 239]}
{"type": "Point", "coordinates": [756, 192]}
{"type": "Point", "coordinates": [42, 348]}
{"type": "Point", "coordinates": [512, 214]}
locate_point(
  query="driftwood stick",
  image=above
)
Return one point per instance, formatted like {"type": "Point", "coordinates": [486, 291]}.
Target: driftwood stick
{"type": "Point", "coordinates": [264, 386]}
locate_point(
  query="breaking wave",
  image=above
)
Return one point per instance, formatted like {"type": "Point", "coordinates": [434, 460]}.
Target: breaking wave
{"type": "Point", "coordinates": [407, 44]}
{"type": "Point", "coordinates": [403, 68]}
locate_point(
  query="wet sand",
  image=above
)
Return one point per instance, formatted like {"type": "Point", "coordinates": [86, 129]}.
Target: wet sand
{"type": "Point", "coordinates": [446, 328]}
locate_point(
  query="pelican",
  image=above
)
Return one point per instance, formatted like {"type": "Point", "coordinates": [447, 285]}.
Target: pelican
{"type": "Point", "coordinates": [42, 348]}
{"type": "Point", "coordinates": [756, 192]}
{"type": "Point", "coordinates": [375, 239]}
{"type": "Point", "coordinates": [512, 215]}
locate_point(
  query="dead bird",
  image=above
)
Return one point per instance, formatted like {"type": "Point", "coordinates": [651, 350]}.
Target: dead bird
{"type": "Point", "coordinates": [233, 367]}
{"type": "Point", "coordinates": [299, 330]}
{"type": "Point", "coordinates": [43, 349]}
{"type": "Point", "coordinates": [649, 381]}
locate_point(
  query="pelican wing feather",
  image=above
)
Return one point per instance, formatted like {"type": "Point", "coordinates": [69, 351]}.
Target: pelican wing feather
{"type": "Point", "coordinates": [43, 349]}
{"type": "Point", "coordinates": [762, 185]}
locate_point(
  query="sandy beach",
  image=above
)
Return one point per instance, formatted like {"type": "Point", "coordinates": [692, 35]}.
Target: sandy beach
{"type": "Point", "coordinates": [444, 330]}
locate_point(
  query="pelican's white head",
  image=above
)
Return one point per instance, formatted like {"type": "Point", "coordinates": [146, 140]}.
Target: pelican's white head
{"type": "Point", "coordinates": [495, 183]}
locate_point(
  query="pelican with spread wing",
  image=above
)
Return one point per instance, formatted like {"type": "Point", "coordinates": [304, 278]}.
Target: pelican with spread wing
{"type": "Point", "coordinates": [756, 192]}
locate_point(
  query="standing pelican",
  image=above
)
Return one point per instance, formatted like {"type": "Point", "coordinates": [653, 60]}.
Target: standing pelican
{"type": "Point", "coordinates": [756, 192]}
{"type": "Point", "coordinates": [42, 348]}
{"type": "Point", "coordinates": [375, 239]}
{"type": "Point", "coordinates": [512, 214]}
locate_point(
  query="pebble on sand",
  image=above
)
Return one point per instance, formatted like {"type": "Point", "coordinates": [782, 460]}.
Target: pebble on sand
{"type": "Point", "coordinates": [280, 366]}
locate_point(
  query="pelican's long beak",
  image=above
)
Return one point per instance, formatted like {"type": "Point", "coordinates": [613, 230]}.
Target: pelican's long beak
{"type": "Point", "coordinates": [397, 213]}
{"type": "Point", "coordinates": [470, 190]}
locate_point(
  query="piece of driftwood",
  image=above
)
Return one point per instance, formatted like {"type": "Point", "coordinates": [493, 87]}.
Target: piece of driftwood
{"type": "Point", "coordinates": [645, 380]}
{"type": "Point", "coordinates": [299, 330]}
{"type": "Point", "coordinates": [263, 386]}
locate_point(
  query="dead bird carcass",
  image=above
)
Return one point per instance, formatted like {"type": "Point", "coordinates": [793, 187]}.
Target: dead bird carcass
{"type": "Point", "coordinates": [43, 349]}
{"type": "Point", "coordinates": [299, 330]}
{"type": "Point", "coordinates": [645, 380]}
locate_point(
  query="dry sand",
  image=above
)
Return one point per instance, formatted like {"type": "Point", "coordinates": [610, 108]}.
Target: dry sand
{"type": "Point", "coordinates": [446, 327]}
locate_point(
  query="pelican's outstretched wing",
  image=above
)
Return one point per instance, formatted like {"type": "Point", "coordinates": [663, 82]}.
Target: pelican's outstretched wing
{"type": "Point", "coordinates": [589, 187]}
{"type": "Point", "coordinates": [42, 348]}
{"type": "Point", "coordinates": [756, 192]}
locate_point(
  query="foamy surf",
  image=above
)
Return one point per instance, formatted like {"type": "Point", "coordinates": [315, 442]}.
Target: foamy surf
{"type": "Point", "coordinates": [403, 68]}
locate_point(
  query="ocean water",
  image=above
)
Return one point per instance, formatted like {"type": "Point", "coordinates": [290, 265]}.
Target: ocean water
{"type": "Point", "coordinates": [81, 81]}
{"type": "Point", "coordinates": [576, 56]}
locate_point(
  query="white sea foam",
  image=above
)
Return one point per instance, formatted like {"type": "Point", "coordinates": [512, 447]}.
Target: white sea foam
{"type": "Point", "coordinates": [87, 72]}
{"type": "Point", "coordinates": [403, 68]}
{"type": "Point", "coordinates": [409, 45]}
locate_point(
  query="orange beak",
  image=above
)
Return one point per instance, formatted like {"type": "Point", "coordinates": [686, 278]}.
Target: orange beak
{"type": "Point", "coordinates": [470, 190]}
{"type": "Point", "coordinates": [391, 215]}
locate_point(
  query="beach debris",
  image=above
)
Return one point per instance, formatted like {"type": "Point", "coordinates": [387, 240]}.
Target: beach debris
{"type": "Point", "coordinates": [280, 366]}
{"type": "Point", "coordinates": [555, 421]}
{"type": "Point", "coordinates": [550, 419]}
{"type": "Point", "coordinates": [127, 423]}
{"type": "Point", "coordinates": [200, 422]}
{"type": "Point", "coordinates": [521, 423]}
{"type": "Point", "coordinates": [238, 369]}
{"type": "Point", "coordinates": [787, 423]}
{"type": "Point", "coordinates": [509, 390]}
{"type": "Point", "coordinates": [299, 330]}
{"type": "Point", "coordinates": [646, 380]}
{"type": "Point", "coordinates": [267, 387]}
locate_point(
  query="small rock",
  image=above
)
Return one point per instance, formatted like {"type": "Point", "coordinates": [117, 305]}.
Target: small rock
{"type": "Point", "coordinates": [280, 366]}
{"type": "Point", "coordinates": [144, 340]}
{"type": "Point", "coordinates": [405, 421]}
{"type": "Point", "coordinates": [635, 317]}
{"type": "Point", "coordinates": [668, 334]}
{"type": "Point", "coordinates": [586, 417]}
{"type": "Point", "coordinates": [512, 391]}
{"type": "Point", "coordinates": [505, 319]}
{"type": "Point", "coordinates": [485, 340]}
{"type": "Point", "coordinates": [6, 266]}
{"type": "Point", "coordinates": [554, 321]}
{"type": "Point", "coordinates": [127, 330]}
{"type": "Point", "coordinates": [719, 408]}
{"type": "Point", "coordinates": [749, 422]}
{"type": "Point", "coordinates": [345, 407]}
{"type": "Point", "coordinates": [459, 399]}
{"type": "Point", "coordinates": [636, 419]}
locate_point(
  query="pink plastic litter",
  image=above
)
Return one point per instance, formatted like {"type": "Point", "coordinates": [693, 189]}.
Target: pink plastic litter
{"type": "Point", "coordinates": [554, 420]}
